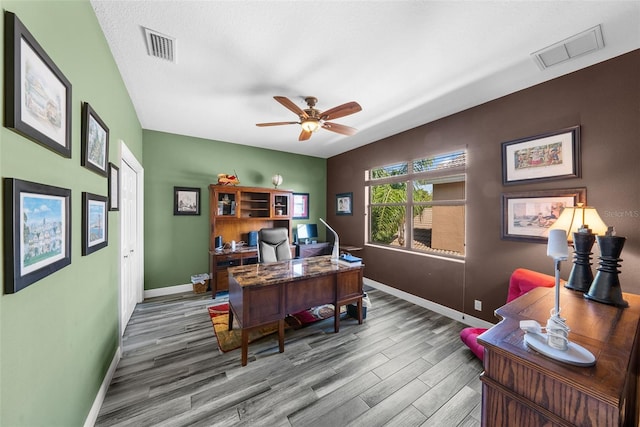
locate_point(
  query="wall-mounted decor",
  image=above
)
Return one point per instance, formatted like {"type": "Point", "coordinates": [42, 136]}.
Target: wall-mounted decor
{"type": "Point", "coordinates": [186, 201]}
{"type": "Point", "coordinates": [37, 232]}
{"type": "Point", "coordinates": [114, 187]}
{"type": "Point", "coordinates": [300, 205]}
{"type": "Point", "coordinates": [527, 216]}
{"type": "Point", "coordinates": [552, 155]}
{"type": "Point", "coordinates": [344, 204]}
{"type": "Point", "coordinates": [94, 223]}
{"type": "Point", "coordinates": [95, 141]}
{"type": "Point", "coordinates": [37, 94]}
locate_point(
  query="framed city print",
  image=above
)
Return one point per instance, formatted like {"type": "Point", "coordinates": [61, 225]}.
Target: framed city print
{"type": "Point", "coordinates": [549, 156]}
{"type": "Point", "coordinates": [94, 223]}
{"type": "Point", "coordinates": [300, 205]}
{"type": "Point", "coordinates": [344, 203]}
{"type": "Point", "coordinates": [95, 141]}
{"type": "Point", "coordinates": [37, 94]}
{"type": "Point", "coordinates": [37, 232]}
{"type": "Point", "coordinates": [114, 187]}
{"type": "Point", "coordinates": [527, 216]}
{"type": "Point", "coordinates": [186, 201]}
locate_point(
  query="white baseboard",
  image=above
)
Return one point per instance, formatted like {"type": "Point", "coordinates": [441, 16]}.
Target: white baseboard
{"type": "Point", "coordinates": [102, 391]}
{"type": "Point", "coordinates": [440, 309]}
{"type": "Point", "coordinates": [169, 290]}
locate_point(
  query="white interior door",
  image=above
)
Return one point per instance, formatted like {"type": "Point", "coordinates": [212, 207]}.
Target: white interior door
{"type": "Point", "coordinates": [131, 241]}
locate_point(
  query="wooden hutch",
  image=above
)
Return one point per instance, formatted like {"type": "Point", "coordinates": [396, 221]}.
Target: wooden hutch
{"type": "Point", "coordinates": [234, 211]}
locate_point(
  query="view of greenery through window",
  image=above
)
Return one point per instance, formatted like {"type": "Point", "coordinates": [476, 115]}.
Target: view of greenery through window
{"type": "Point", "coordinates": [428, 195]}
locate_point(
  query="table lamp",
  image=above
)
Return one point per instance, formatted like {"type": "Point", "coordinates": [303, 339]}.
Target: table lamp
{"type": "Point", "coordinates": [335, 253]}
{"type": "Point", "coordinates": [582, 224]}
{"type": "Point", "coordinates": [555, 343]}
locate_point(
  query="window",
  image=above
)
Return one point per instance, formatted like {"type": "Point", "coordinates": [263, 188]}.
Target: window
{"type": "Point", "coordinates": [419, 205]}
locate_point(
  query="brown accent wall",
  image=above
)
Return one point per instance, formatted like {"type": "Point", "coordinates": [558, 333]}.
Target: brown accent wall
{"type": "Point", "coordinates": [603, 99]}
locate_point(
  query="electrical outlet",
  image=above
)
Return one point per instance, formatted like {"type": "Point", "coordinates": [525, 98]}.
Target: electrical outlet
{"type": "Point", "coordinates": [477, 304]}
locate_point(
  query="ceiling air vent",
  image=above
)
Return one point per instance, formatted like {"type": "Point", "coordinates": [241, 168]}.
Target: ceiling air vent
{"type": "Point", "coordinates": [160, 46]}
{"type": "Point", "coordinates": [580, 44]}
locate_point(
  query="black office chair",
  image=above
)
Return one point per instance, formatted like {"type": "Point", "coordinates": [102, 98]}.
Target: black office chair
{"type": "Point", "coordinates": [273, 245]}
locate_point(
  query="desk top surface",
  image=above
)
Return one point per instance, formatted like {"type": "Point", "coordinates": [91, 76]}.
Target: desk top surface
{"type": "Point", "coordinates": [286, 271]}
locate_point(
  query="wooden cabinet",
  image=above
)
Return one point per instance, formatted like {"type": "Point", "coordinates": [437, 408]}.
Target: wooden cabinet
{"type": "Point", "coordinates": [220, 261]}
{"type": "Point", "coordinates": [233, 213]}
{"type": "Point", "coordinates": [523, 388]}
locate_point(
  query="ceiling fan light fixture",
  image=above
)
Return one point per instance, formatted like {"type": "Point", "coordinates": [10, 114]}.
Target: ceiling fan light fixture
{"type": "Point", "coordinates": [310, 124]}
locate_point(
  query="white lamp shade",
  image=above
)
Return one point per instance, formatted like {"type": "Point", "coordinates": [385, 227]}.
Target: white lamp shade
{"type": "Point", "coordinates": [557, 247]}
{"type": "Point", "coordinates": [572, 218]}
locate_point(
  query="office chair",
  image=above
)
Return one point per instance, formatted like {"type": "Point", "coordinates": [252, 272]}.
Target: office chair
{"type": "Point", "coordinates": [273, 245]}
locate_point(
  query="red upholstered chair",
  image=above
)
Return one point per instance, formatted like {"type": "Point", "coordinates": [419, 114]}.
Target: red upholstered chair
{"type": "Point", "coordinates": [521, 282]}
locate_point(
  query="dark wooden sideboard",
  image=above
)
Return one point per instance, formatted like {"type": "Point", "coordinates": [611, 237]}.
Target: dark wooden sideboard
{"type": "Point", "coordinates": [523, 388]}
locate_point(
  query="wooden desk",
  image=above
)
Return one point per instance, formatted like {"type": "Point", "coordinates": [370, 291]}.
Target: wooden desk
{"type": "Point", "coordinates": [523, 388]}
{"type": "Point", "coordinates": [265, 293]}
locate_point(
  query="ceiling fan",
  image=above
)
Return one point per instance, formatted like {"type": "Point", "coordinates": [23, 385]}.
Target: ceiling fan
{"type": "Point", "coordinates": [312, 119]}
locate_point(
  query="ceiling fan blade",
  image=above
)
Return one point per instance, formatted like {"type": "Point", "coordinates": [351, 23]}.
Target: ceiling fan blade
{"type": "Point", "coordinates": [276, 124]}
{"type": "Point", "coordinates": [304, 135]}
{"type": "Point", "coordinates": [335, 127]}
{"type": "Point", "coordinates": [291, 106]}
{"type": "Point", "coordinates": [341, 111]}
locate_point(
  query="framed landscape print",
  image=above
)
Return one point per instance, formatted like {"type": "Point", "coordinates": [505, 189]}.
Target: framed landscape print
{"type": "Point", "coordinates": [343, 204]}
{"type": "Point", "coordinates": [186, 201]}
{"type": "Point", "coordinates": [552, 155]}
{"type": "Point", "coordinates": [114, 187]}
{"type": "Point", "coordinates": [527, 216]}
{"type": "Point", "coordinates": [300, 205]}
{"type": "Point", "coordinates": [94, 223]}
{"type": "Point", "coordinates": [95, 141]}
{"type": "Point", "coordinates": [37, 232]}
{"type": "Point", "coordinates": [38, 95]}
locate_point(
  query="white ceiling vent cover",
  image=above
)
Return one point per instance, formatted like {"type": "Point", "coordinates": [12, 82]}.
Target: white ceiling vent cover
{"type": "Point", "coordinates": [160, 45]}
{"type": "Point", "coordinates": [580, 44]}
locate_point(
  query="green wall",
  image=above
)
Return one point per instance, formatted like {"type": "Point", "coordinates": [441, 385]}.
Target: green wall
{"type": "Point", "coordinates": [177, 246]}
{"type": "Point", "coordinates": [59, 335]}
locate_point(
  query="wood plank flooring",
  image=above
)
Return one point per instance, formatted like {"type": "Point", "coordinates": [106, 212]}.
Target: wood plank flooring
{"type": "Point", "coordinates": [405, 366]}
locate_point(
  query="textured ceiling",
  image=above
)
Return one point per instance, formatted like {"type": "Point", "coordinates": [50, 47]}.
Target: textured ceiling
{"type": "Point", "coordinates": [405, 62]}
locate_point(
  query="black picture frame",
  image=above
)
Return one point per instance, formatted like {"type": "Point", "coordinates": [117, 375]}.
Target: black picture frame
{"type": "Point", "coordinates": [300, 206]}
{"type": "Point", "coordinates": [344, 204]}
{"type": "Point", "coordinates": [545, 157]}
{"type": "Point", "coordinates": [527, 216]}
{"type": "Point", "coordinates": [95, 223]}
{"type": "Point", "coordinates": [37, 241]}
{"type": "Point", "coordinates": [186, 201]}
{"type": "Point", "coordinates": [114, 187]}
{"type": "Point", "coordinates": [95, 141]}
{"type": "Point", "coordinates": [37, 98]}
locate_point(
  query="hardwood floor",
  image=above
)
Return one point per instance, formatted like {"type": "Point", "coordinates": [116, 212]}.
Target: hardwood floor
{"type": "Point", "coordinates": [405, 366]}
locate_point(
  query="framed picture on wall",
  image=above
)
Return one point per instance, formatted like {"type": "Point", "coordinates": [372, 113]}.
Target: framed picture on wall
{"type": "Point", "coordinates": [38, 95]}
{"type": "Point", "coordinates": [549, 156]}
{"type": "Point", "coordinates": [94, 223]}
{"type": "Point", "coordinates": [114, 187]}
{"type": "Point", "coordinates": [527, 216]}
{"type": "Point", "coordinates": [186, 201]}
{"type": "Point", "coordinates": [344, 204]}
{"type": "Point", "coordinates": [300, 205]}
{"type": "Point", "coordinates": [95, 141]}
{"type": "Point", "coordinates": [37, 238]}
